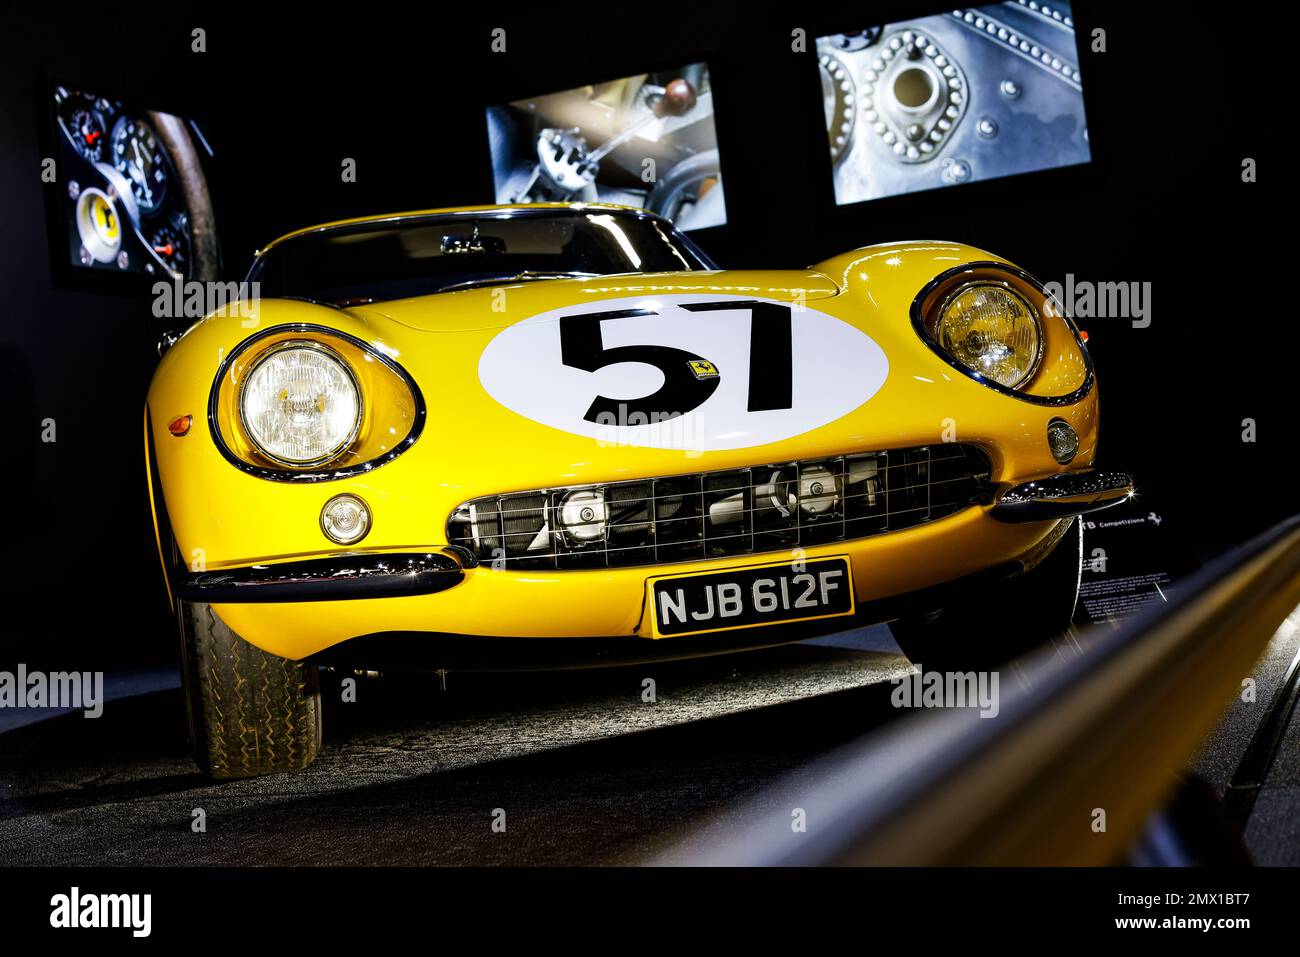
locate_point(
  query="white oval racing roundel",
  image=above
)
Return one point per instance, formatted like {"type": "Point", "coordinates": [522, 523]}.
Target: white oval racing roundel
{"type": "Point", "coordinates": [696, 372]}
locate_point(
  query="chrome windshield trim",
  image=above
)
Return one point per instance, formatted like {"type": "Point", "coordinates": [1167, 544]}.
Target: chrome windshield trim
{"type": "Point", "coordinates": [520, 212]}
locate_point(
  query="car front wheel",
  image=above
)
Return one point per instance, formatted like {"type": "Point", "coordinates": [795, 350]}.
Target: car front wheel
{"type": "Point", "coordinates": [993, 625]}
{"type": "Point", "coordinates": [250, 712]}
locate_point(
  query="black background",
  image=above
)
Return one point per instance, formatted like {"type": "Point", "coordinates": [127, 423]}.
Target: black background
{"type": "Point", "coordinates": [286, 93]}
{"type": "Point", "coordinates": [898, 903]}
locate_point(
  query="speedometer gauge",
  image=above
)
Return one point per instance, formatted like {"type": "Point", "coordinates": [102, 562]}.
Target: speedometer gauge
{"type": "Point", "coordinates": [139, 158]}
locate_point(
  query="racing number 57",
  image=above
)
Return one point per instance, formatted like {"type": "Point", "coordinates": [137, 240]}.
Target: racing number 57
{"type": "Point", "coordinates": [771, 362]}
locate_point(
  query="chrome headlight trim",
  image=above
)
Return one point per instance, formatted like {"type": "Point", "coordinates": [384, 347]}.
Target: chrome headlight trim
{"type": "Point", "coordinates": [918, 325]}
{"type": "Point", "coordinates": [305, 475]}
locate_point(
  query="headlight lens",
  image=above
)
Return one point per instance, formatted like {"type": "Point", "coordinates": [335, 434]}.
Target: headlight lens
{"type": "Point", "coordinates": [300, 404]}
{"type": "Point", "coordinates": [992, 330]}
{"type": "Point", "coordinates": [1062, 440]}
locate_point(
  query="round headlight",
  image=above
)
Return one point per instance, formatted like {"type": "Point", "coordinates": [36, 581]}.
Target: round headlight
{"type": "Point", "coordinates": [300, 404]}
{"type": "Point", "coordinates": [992, 330]}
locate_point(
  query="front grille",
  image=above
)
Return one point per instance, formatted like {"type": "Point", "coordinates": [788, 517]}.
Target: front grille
{"type": "Point", "coordinates": [716, 514]}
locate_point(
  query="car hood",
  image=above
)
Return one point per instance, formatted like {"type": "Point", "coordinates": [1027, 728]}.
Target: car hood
{"type": "Point", "coordinates": [696, 371]}
{"type": "Point", "coordinates": [506, 405]}
{"type": "Point", "coordinates": [493, 307]}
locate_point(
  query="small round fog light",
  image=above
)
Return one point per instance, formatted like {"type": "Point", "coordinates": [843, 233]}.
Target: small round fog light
{"type": "Point", "coordinates": [345, 519]}
{"type": "Point", "coordinates": [1062, 440]}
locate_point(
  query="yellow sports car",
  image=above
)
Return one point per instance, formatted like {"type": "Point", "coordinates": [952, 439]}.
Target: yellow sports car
{"type": "Point", "coordinates": [550, 435]}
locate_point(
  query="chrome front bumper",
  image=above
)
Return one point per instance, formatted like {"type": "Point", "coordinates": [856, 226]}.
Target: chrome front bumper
{"type": "Point", "coordinates": [345, 577]}
{"type": "Point", "coordinates": [337, 578]}
{"type": "Point", "coordinates": [1062, 496]}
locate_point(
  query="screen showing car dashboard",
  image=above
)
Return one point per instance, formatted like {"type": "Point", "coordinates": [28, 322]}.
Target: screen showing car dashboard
{"type": "Point", "coordinates": [647, 140]}
{"type": "Point", "coordinates": [133, 196]}
{"type": "Point", "coordinates": [972, 94]}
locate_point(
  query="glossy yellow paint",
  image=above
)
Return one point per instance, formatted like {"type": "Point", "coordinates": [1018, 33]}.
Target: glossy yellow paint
{"type": "Point", "coordinates": [471, 445]}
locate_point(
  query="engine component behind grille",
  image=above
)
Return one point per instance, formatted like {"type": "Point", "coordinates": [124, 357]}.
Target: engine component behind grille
{"type": "Point", "coordinates": [716, 514]}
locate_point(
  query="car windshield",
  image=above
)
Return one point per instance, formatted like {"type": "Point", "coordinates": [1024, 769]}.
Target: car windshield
{"type": "Point", "coordinates": [372, 262]}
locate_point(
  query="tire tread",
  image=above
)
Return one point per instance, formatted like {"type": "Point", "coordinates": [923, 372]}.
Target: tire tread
{"type": "Point", "coordinates": [251, 712]}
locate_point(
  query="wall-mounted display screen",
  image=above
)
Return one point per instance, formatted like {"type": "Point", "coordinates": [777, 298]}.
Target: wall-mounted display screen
{"type": "Point", "coordinates": [132, 195]}
{"type": "Point", "coordinates": [972, 94]}
{"type": "Point", "coordinates": [646, 140]}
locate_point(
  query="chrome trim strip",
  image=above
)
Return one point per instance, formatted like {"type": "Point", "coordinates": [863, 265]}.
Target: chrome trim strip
{"type": "Point", "coordinates": [1062, 496]}
{"type": "Point", "coordinates": [339, 578]}
{"type": "Point", "coordinates": [918, 324]}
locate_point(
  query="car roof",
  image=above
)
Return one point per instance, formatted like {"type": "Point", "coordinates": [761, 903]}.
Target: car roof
{"type": "Point", "coordinates": [458, 211]}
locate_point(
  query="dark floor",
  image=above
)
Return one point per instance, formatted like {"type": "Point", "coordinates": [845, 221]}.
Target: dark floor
{"type": "Point", "coordinates": [585, 770]}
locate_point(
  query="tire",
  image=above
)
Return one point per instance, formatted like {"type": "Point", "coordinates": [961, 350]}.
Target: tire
{"type": "Point", "coordinates": [250, 712]}
{"type": "Point", "coordinates": [996, 624]}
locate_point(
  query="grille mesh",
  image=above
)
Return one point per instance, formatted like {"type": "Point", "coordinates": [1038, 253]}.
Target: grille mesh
{"type": "Point", "coordinates": [717, 514]}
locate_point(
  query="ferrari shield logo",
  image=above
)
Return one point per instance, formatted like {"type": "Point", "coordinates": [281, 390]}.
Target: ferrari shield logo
{"type": "Point", "coordinates": [703, 369]}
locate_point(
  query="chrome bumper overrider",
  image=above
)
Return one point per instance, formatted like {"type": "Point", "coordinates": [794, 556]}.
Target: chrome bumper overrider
{"type": "Point", "coordinates": [1061, 496]}
{"type": "Point", "coordinates": [338, 578]}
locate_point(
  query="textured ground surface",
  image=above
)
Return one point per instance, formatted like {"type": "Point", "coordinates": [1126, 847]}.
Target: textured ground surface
{"type": "Point", "coordinates": [585, 770]}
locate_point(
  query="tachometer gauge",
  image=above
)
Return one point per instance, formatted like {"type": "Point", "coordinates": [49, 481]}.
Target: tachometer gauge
{"type": "Point", "coordinates": [138, 156]}
{"type": "Point", "coordinates": [83, 126]}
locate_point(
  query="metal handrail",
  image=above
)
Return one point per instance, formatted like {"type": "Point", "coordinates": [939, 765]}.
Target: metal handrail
{"type": "Point", "coordinates": [1104, 733]}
